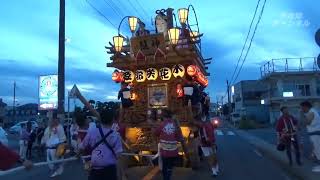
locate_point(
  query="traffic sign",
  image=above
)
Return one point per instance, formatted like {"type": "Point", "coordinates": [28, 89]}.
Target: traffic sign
{"type": "Point", "coordinates": [317, 37]}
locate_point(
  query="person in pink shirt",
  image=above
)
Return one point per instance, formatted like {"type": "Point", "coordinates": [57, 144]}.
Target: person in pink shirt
{"type": "Point", "coordinates": [106, 147]}
{"type": "Point", "coordinates": [169, 137]}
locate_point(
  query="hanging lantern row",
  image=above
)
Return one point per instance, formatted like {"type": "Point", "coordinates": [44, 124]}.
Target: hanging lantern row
{"type": "Point", "coordinates": [195, 72]}
{"type": "Point", "coordinates": [150, 74]}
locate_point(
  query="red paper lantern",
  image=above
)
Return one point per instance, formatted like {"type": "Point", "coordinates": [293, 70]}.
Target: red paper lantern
{"type": "Point", "coordinates": [117, 76]}
{"type": "Point", "coordinates": [180, 92]}
{"type": "Point", "coordinates": [192, 70]}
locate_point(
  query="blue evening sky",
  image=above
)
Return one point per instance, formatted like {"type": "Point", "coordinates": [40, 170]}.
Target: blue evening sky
{"type": "Point", "coordinates": [29, 39]}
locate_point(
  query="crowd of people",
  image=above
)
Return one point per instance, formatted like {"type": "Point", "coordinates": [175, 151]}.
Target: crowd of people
{"type": "Point", "coordinates": [289, 132]}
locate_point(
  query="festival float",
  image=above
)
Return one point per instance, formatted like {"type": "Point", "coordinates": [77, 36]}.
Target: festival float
{"type": "Point", "coordinates": [153, 69]}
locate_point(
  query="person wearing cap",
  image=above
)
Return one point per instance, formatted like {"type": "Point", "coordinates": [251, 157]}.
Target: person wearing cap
{"type": "Point", "coordinates": [312, 120]}
{"type": "Point", "coordinates": [169, 137]}
{"type": "Point", "coordinates": [287, 134]}
{"type": "Point", "coordinates": [208, 144]}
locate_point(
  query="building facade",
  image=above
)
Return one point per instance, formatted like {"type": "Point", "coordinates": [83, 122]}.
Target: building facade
{"type": "Point", "coordinates": [23, 113]}
{"type": "Point", "coordinates": [298, 80]}
{"type": "Point", "coordinates": [247, 100]}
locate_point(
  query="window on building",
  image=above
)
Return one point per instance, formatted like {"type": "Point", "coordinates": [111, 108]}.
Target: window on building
{"type": "Point", "coordinates": [304, 89]}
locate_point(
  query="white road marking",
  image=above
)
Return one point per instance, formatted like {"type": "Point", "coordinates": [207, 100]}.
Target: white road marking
{"type": "Point", "coordinates": [258, 153]}
{"type": "Point", "coordinates": [230, 133]}
{"type": "Point", "coordinates": [219, 132]}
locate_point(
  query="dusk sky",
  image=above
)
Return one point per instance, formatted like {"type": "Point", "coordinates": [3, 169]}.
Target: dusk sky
{"type": "Point", "coordinates": [29, 40]}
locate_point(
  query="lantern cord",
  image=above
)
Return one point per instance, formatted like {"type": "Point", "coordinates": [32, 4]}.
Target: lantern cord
{"type": "Point", "coordinates": [101, 14]}
{"type": "Point", "coordinates": [254, 32]}
{"type": "Point", "coordinates": [245, 43]}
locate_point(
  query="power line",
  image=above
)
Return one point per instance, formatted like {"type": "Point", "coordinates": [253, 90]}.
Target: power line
{"type": "Point", "coordinates": [254, 32]}
{"type": "Point", "coordinates": [244, 45]}
{"type": "Point", "coordinates": [113, 9]}
{"type": "Point", "coordinates": [101, 14]}
{"type": "Point", "coordinates": [135, 9]}
{"type": "Point", "coordinates": [143, 10]}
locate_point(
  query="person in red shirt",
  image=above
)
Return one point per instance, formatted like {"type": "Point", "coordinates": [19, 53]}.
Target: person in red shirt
{"type": "Point", "coordinates": [208, 144]}
{"type": "Point", "coordinates": [287, 134]}
{"type": "Point", "coordinates": [169, 136]}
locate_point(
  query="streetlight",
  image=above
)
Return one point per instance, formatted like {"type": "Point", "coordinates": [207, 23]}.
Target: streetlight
{"type": "Point", "coordinates": [119, 39]}
{"type": "Point", "coordinates": [174, 34]}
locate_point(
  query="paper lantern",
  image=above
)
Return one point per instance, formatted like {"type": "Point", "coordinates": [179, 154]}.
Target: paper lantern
{"type": "Point", "coordinates": [152, 74]}
{"type": "Point", "coordinates": [118, 43]}
{"type": "Point", "coordinates": [133, 23]}
{"type": "Point", "coordinates": [165, 73]}
{"type": "Point", "coordinates": [178, 70]}
{"type": "Point", "coordinates": [174, 34]}
{"type": "Point", "coordinates": [117, 76]}
{"type": "Point", "coordinates": [193, 35]}
{"type": "Point", "coordinates": [128, 76]}
{"type": "Point", "coordinates": [183, 15]}
{"type": "Point", "coordinates": [141, 76]}
{"type": "Point", "coordinates": [192, 70]}
{"type": "Point", "coordinates": [133, 96]}
{"type": "Point", "coordinates": [179, 91]}
{"type": "Point", "coordinates": [202, 79]}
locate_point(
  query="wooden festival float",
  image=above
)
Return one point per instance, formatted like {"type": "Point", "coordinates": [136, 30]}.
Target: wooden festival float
{"type": "Point", "coordinates": [155, 66]}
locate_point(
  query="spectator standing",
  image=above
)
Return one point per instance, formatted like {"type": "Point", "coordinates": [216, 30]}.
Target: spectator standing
{"type": "Point", "coordinates": [313, 127]}
{"type": "Point", "coordinates": [23, 142]}
{"type": "Point", "coordinates": [54, 135]}
{"type": "Point", "coordinates": [287, 134]}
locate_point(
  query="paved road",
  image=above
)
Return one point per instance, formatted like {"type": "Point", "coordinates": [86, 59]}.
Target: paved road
{"type": "Point", "coordinates": [269, 135]}
{"type": "Point", "coordinates": [238, 161]}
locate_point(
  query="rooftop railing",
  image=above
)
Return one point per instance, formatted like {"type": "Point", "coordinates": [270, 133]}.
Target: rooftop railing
{"type": "Point", "coordinates": [289, 65]}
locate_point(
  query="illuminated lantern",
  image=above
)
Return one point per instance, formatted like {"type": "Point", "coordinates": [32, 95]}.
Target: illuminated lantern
{"type": "Point", "coordinates": [192, 70]}
{"type": "Point", "coordinates": [165, 73]}
{"type": "Point", "coordinates": [202, 79]}
{"type": "Point", "coordinates": [141, 76]}
{"type": "Point", "coordinates": [118, 43]}
{"type": "Point", "coordinates": [128, 76]}
{"type": "Point", "coordinates": [133, 96]}
{"type": "Point", "coordinates": [152, 74]}
{"type": "Point", "coordinates": [178, 70]}
{"type": "Point", "coordinates": [174, 34]}
{"type": "Point", "coordinates": [179, 91]}
{"type": "Point", "coordinates": [133, 23]}
{"type": "Point", "coordinates": [193, 35]}
{"type": "Point", "coordinates": [183, 15]}
{"type": "Point", "coordinates": [117, 76]}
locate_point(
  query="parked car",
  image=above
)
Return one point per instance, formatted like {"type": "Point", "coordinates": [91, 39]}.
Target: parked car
{"type": "Point", "coordinates": [17, 127]}
{"type": "Point", "coordinates": [3, 136]}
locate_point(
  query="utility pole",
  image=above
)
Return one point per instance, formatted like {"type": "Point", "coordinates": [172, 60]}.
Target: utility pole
{"type": "Point", "coordinates": [14, 101]}
{"type": "Point", "coordinates": [61, 61]}
{"type": "Point", "coordinates": [229, 103]}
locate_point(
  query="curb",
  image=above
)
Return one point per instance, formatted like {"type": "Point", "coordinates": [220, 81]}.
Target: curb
{"type": "Point", "coordinates": [304, 172]}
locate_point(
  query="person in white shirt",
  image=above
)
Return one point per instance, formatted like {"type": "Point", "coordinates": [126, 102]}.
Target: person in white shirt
{"type": "Point", "coordinates": [3, 134]}
{"type": "Point", "coordinates": [74, 135]}
{"type": "Point", "coordinates": [313, 127]}
{"type": "Point", "coordinates": [54, 136]}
